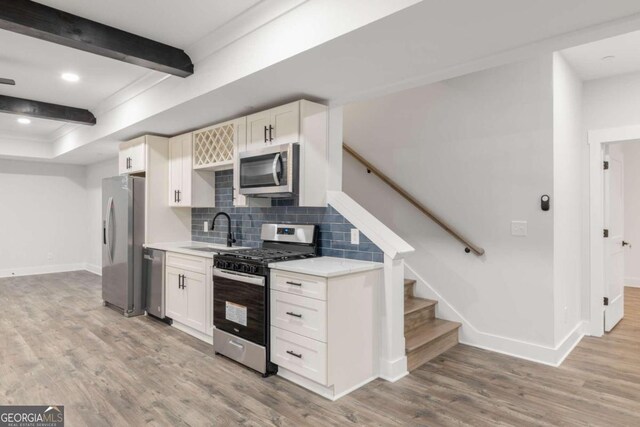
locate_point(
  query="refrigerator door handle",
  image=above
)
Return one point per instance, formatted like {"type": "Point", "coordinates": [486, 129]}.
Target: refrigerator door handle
{"type": "Point", "coordinates": [109, 215]}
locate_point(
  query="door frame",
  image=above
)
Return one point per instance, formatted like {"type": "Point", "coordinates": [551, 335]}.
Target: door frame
{"type": "Point", "coordinates": [597, 140]}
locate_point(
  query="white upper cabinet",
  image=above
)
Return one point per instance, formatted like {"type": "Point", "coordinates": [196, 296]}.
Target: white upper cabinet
{"type": "Point", "coordinates": [188, 187]}
{"type": "Point", "coordinates": [132, 156]}
{"type": "Point", "coordinates": [279, 125]}
{"type": "Point", "coordinates": [258, 130]}
{"type": "Point", "coordinates": [285, 124]}
{"type": "Point", "coordinates": [302, 122]}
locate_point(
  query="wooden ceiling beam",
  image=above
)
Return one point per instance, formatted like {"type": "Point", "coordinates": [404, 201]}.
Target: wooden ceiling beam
{"type": "Point", "coordinates": [44, 110]}
{"type": "Point", "coordinates": [56, 26]}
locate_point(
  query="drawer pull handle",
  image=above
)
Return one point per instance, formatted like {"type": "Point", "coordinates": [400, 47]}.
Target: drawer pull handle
{"type": "Point", "coordinates": [291, 313]}
{"type": "Point", "coordinates": [235, 344]}
{"type": "Point", "coordinates": [294, 283]}
{"type": "Point", "coordinates": [299, 356]}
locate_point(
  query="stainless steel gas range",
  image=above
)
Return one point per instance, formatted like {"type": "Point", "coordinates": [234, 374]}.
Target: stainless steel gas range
{"type": "Point", "coordinates": [241, 293]}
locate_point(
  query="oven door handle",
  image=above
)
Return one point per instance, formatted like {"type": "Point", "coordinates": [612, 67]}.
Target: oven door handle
{"type": "Point", "coordinates": [239, 277]}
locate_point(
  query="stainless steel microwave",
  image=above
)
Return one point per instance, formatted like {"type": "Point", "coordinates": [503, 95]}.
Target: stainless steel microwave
{"type": "Point", "coordinates": [270, 172]}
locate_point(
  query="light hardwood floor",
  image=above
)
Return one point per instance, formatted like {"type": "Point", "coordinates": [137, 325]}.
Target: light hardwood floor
{"type": "Point", "coordinates": [58, 345]}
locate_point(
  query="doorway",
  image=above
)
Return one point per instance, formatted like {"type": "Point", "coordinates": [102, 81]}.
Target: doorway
{"type": "Point", "coordinates": [613, 220]}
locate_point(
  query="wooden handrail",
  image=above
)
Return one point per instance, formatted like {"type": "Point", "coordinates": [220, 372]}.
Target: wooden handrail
{"type": "Point", "coordinates": [391, 183]}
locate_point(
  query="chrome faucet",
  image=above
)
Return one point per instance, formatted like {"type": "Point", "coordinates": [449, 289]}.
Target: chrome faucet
{"type": "Point", "coordinates": [230, 239]}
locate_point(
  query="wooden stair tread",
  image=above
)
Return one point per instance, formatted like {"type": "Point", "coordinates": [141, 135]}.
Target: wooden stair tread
{"type": "Point", "coordinates": [409, 282]}
{"type": "Point", "coordinates": [413, 304]}
{"type": "Point", "coordinates": [429, 332]}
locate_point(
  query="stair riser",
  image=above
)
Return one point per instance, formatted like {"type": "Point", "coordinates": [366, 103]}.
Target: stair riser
{"type": "Point", "coordinates": [418, 318]}
{"type": "Point", "coordinates": [408, 290]}
{"type": "Point", "coordinates": [427, 352]}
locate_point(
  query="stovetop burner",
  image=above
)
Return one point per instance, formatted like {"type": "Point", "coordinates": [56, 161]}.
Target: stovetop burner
{"type": "Point", "coordinates": [265, 254]}
{"type": "Point", "coordinates": [280, 242]}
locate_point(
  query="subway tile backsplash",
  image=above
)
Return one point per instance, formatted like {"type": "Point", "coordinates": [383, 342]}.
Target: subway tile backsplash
{"type": "Point", "coordinates": [335, 230]}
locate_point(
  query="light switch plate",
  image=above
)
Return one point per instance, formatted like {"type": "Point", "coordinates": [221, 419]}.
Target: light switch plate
{"type": "Point", "coordinates": [206, 226]}
{"type": "Point", "coordinates": [355, 236]}
{"type": "Point", "coordinates": [519, 228]}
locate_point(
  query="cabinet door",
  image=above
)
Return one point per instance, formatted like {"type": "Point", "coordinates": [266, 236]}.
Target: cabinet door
{"type": "Point", "coordinates": [258, 130]}
{"type": "Point", "coordinates": [286, 123]}
{"type": "Point", "coordinates": [186, 192]}
{"type": "Point", "coordinates": [175, 170]}
{"type": "Point", "coordinates": [195, 285]}
{"type": "Point", "coordinates": [138, 154]}
{"type": "Point", "coordinates": [175, 296]}
{"type": "Point", "coordinates": [123, 160]}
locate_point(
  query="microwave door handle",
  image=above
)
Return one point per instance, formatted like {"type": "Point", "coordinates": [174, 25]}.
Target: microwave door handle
{"type": "Point", "coordinates": [276, 160]}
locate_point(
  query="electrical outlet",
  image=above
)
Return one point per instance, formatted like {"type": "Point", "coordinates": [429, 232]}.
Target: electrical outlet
{"type": "Point", "coordinates": [206, 226]}
{"type": "Point", "coordinates": [49, 256]}
{"type": "Point", "coordinates": [519, 228]}
{"type": "Point", "coordinates": [355, 236]}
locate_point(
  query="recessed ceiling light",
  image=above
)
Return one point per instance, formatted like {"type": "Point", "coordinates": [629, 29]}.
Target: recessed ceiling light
{"type": "Point", "coordinates": [608, 58]}
{"type": "Point", "coordinates": [70, 77]}
{"type": "Point", "coordinates": [24, 121]}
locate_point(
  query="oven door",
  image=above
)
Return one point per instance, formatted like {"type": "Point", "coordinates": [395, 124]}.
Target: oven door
{"type": "Point", "coordinates": [239, 305]}
{"type": "Point", "coordinates": [272, 170]}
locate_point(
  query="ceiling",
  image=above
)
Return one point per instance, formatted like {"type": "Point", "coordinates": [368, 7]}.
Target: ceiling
{"type": "Point", "coordinates": [427, 42]}
{"type": "Point", "coordinates": [37, 65]}
{"type": "Point", "coordinates": [410, 47]}
{"type": "Point", "coordinates": [587, 60]}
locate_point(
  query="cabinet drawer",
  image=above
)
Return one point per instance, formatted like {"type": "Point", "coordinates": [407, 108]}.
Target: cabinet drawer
{"type": "Point", "coordinates": [299, 354]}
{"type": "Point", "coordinates": [299, 284]}
{"type": "Point", "coordinates": [302, 315]}
{"type": "Point", "coordinates": [187, 262]}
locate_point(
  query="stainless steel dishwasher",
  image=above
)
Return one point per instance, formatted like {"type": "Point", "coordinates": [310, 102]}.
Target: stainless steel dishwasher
{"type": "Point", "coordinates": [153, 277]}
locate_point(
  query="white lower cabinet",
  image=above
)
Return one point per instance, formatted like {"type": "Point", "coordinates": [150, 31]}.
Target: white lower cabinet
{"type": "Point", "coordinates": [304, 316]}
{"type": "Point", "coordinates": [304, 356]}
{"type": "Point", "coordinates": [323, 330]}
{"type": "Point", "coordinates": [175, 296]}
{"type": "Point", "coordinates": [189, 294]}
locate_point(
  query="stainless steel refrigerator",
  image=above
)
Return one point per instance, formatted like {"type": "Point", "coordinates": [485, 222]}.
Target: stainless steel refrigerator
{"type": "Point", "coordinates": [122, 239]}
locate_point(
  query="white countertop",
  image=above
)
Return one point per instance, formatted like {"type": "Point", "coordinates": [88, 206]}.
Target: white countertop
{"type": "Point", "coordinates": [186, 248]}
{"type": "Point", "coordinates": [326, 266]}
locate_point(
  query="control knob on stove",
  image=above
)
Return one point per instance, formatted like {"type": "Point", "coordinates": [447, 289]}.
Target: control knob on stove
{"type": "Point", "coordinates": [253, 269]}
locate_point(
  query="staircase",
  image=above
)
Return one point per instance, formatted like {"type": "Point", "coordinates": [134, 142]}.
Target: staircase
{"type": "Point", "coordinates": [425, 336]}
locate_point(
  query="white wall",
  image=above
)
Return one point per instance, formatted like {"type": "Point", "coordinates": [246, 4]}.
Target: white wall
{"type": "Point", "coordinates": [612, 102]}
{"type": "Point", "coordinates": [93, 185]}
{"type": "Point", "coordinates": [479, 151]}
{"type": "Point", "coordinates": [631, 153]}
{"type": "Point", "coordinates": [43, 217]}
{"type": "Point", "coordinates": [570, 293]}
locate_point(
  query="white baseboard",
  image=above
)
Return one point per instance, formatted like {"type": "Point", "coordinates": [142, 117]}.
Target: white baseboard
{"type": "Point", "coordinates": [632, 282]}
{"type": "Point", "coordinates": [95, 269]}
{"type": "Point", "coordinates": [41, 269]}
{"type": "Point", "coordinates": [470, 335]}
{"type": "Point", "coordinates": [324, 391]}
{"type": "Point", "coordinates": [393, 370]}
